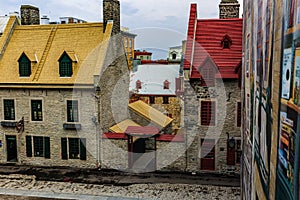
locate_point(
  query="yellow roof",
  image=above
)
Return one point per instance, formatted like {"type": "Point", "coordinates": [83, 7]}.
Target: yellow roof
{"type": "Point", "coordinates": [122, 126]}
{"type": "Point", "coordinates": [85, 44]}
{"type": "Point", "coordinates": [150, 113]}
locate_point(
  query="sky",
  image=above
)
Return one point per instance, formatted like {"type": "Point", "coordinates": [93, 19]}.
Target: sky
{"type": "Point", "coordinates": [159, 24]}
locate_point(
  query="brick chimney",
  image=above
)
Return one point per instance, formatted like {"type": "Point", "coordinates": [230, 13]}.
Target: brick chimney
{"type": "Point", "coordinates": [111, 11]}
{"type": "Point", "coordinates": [229, 9]}
{"type": "Point", "coordinates": [30, 15]}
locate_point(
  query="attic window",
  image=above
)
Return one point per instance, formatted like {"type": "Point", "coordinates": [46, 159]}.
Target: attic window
{"type": "Point", "coordinates": [174, 56]}
{"type": "Point", "coordinates": [24, 66]}
{"type": "Point", "coordinates": [138, 84]}
{"type": "Point", "coordinates": [65, 66]}
{"type": "Point", "coordinates": [226, 42]}
{"type": "Point", "coordinates": [166, 84]}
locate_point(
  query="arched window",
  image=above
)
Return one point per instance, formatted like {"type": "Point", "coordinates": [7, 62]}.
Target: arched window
{"type": "Point", "coordinates": [138, 84]}
{"type": "Point", "coordinates": [166, 84]}
{"type": "Point", "coordinates": [24, 66]}
{"type": "Point", "coordinates": [65, 66]}
{"type": "Point", "coordinates": [226, 42]}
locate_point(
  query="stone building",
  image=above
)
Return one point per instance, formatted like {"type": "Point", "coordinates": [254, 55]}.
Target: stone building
{"type": "Point", "coordinates": [176, 53]}
{"type": "Point", "coordinates": [271, 100]}
{"type": "Point", "coordinates": [212, 107]}
{"type": "Point", "coordinates": [57, 82]}
{"type": "Point", "coordinates": [159, 85]}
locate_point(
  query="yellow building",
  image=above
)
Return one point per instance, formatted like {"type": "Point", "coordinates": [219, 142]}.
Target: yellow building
{"type": "Point", "coordinates": [128, 41]}
{"type": "Point", "coordinates": [57, 80]}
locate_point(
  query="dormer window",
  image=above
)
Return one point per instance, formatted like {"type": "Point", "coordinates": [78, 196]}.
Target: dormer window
{"type": "Point", "coordinates": [166, 84]}
{"type": "Point", "coordinates": [24, 66]}
{"type": "Point", "coordinates": [226, 42]}
{"type": "Point", "coordinates": [65, 66]}
{"type": "Point", "coordinates": [138, 84]}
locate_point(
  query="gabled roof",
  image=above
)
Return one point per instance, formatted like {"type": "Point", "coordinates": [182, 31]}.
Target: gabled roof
{"type": "Point", "coordinates": [205, 38]}
{"type": "Point", "coordinates": [150, 113]}
{"type": "Point", "coordinates": [84, 43]}
{"type": "Point", "coordinates": [122, 126]}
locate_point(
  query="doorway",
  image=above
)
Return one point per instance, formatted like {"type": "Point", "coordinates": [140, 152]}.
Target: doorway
{"type": "Point", "coordinates": [207, 154]}
{"type": "Point", "coordinates": [11, 142]}
{"type": "Point", "coordinates": [142, 153]}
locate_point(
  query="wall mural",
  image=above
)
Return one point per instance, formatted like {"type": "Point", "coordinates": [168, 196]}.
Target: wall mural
{"type": "Point", "coordinates": [289, 139]}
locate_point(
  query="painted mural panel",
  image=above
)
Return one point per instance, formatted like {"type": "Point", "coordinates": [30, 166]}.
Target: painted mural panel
{"type": "Point", "coordinates": [288, 144]}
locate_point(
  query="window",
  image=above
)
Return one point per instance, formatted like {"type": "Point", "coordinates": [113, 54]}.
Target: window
{"type": "Point", "coordinates": [72, 111]}
{"type": "Point", "coordinates": [174, 56]}
{"type": "Point", "coordinates": [24, 66]}
{"type": "Point", "coordinates": [9, 109]}
{"type": "Point", "coordinates": [138, 84]}
{"type": "Point", "coordinates": [73, 148]}
{"type": "Point", "coordinates": [226, 42]}
{"type": "Point", "coordinates": [36, 110]}
{"type": "Point", "coordinates": [165, 100]}
{"type": "Point", "coordinates": [152, 100]}
{"type": "Point", "coordinates": [208, 112]}
{"type": "Point", "coordinates": [130, 43]}
{"type": "Point", "coordinates": [166, 84]}
{"type": "Point", "coordinates": [238, 114]}
{"type": "Point", "coordinates": [65, 66]}
{"type": "Point", "coordinates": [41, 146]}
{"type": "Point", "coordinates": [208, 76]}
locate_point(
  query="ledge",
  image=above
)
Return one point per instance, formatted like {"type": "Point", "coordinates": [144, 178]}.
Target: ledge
{"type": "Point", "coordinates": [72, 126]}
{"type": "Point", "coordinates": [8, 124]}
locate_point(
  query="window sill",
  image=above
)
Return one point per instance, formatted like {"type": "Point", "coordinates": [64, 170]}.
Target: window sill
{"type": "Point", "coordinates": [68, 126]}
{"type": "Point", "coordinates": [8, 124]}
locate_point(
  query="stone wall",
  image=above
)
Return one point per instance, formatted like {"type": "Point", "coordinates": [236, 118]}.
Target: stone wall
{"type": "Point", "coordinates": [226, 94]}
{"type": "Point", "coordinates": [111, 11]}
{"type": "Point", "coordinates": [54, 107]}
{"type": "Point", "coordinates": [30, 15]}
{"type": "Point", "coordinates": [229, 9]}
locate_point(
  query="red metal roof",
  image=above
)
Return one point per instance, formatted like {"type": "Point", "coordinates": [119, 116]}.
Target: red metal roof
{"type": "Point", "coordinates": [142, 130]}
{"type": "Point", "coordinates": [205, 40]}
{"type": "Point", "coordinates": [146, 53]}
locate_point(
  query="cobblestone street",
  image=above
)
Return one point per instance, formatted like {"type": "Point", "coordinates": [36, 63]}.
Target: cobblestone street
{"type": "Point", "coordinates": [141, 191]}
{"type": "Point", "coordinates": [71, 183]}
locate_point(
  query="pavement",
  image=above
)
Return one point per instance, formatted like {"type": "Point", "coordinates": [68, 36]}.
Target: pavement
{"type": "Point", "coordinates": [13, 194]}
{"type": "Point", "coordinates": [119, 178]}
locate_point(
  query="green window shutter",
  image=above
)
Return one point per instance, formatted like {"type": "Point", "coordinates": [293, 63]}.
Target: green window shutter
{"type": "Point", "coordinates": [28, 146]}
{"type": "Point", "coordinates": [47, 147]}
{"type": "Point", "coordinates": [64, 149]}
{"type": "Point", "coordinates": [82, 149]}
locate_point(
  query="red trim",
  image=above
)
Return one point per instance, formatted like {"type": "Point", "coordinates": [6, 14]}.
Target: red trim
{"type": "Point", "coordinates": [235, 76]}
{"type": "Point", "coordinates": [170, 138]}
{"type": "Point", "coordinates": [122, 136]}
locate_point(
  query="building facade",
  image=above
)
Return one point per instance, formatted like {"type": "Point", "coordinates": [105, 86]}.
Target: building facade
{"type": "Point", "coordinates": [56, 91]}
{"type": "Point", "coordinates": [212, 107]}
{"type": "Point", "coordinates": [270, 100]}
{"type": "Point", "coordinates": [128, 41]}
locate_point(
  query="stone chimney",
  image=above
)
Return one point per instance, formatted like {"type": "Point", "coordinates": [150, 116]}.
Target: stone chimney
{"type": "Point", "coordinates": [229, 9]}
{"type": "Point", "coordinates": [30, 15]}
{"type": "Point", "coordinates": [111, 11]}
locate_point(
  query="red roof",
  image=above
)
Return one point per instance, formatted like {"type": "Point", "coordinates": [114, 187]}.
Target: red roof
{"type": "Point", "coordinates": [142, 53]}
{"type": "Point", "coordinates": [142, 130]}
{"type": "Point", "coordinates": [205, 41]}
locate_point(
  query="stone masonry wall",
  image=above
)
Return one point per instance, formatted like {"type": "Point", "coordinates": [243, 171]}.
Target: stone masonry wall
{"type": "Point", "coordinates": [226, 95]}
{"type": "Point", "coordinates": [30, 15]}
{"type": "Point", "coordinates": [54, 107]}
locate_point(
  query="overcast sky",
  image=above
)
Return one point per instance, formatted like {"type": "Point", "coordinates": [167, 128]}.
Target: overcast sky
{"type": "Point", "coordinates": [159, 24]}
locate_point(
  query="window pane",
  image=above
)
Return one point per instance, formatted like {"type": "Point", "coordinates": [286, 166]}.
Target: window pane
{"type": "Point", "coordinates": [73, 148]}
{"type": "Point", "coordinates": [36, 110]}
{"type": "Point", "coordinates": [72, 111]}
{"type": "Point", "coordinates": [9, 109]}
{"type": "Point", "coordinates": [38, 145]}
{"type": "Point", "coordinates": [24, 66]}
{"type": "Point", "coordinates": [208, 112]}
{"type": "Point", "coordinates": [65, 67]}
